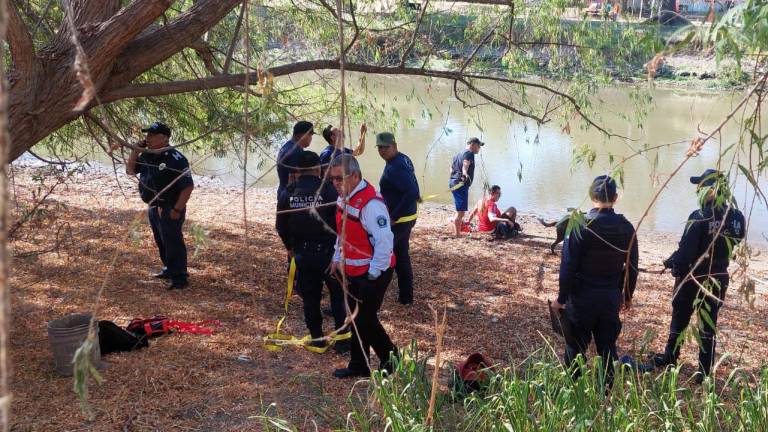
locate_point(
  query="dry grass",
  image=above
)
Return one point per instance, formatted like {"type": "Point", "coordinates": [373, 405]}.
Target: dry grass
{"type": "Point", "coordinates": [495, 295]}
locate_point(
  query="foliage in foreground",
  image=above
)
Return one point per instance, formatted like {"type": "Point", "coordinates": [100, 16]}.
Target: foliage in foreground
{"type": "Point", "coordinates": [539, 395]}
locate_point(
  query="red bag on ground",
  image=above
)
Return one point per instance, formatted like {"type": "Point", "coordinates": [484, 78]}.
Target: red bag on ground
{"type": "Point", "coordinates": [472, 373]}
{"type": "Point", "coordinates": [160, 325]}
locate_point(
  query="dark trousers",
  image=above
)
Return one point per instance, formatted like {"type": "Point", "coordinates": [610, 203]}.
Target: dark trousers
{"type": "Point", "coordinates": [312, 261]}
{"type": "Point", "coordinates": [683, 308]}
{"type": "Point", "coordinates": [367, 296]}
{"type": "Point", "coordinates": [401, 248]}
{"type": "Point", "coordinates": [594, 314]}
{"type": "Point", "coordinates": [170, 242]}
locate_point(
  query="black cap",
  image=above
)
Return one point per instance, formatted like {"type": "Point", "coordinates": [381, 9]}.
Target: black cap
{"type": "Point", "coordinates": [707, 178]}
{"type": "Point", "coordinates": [302, 127]}
{"type": "Point", "coordinates": [158, 128]}
{"type": "Point", "coordinates": [475, 140]}
{"type": "Point", "coordinates": [308, 159]}
{"type": "Point", "coordinates": [603, 189]}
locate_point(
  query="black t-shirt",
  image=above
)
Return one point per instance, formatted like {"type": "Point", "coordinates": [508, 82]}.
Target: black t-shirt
{"type": "Point", "coordinates": [158, 171]}
{"type": "Point", "coordinates": [457, 167]}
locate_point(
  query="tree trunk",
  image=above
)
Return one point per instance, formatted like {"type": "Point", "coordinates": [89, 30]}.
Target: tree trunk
{"type": "Point", "coordinates": [118, 47]}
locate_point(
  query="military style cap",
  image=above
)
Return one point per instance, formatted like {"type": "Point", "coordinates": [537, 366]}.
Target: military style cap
{"type": "Point", "coordinates": [707, 178]}
{"type": "Point", "coordinates": [158, 128]}
{"type": "Point", "coordinates": [385, 139]}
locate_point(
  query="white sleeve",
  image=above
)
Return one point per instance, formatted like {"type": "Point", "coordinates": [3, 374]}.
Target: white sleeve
{"type": "Point", "coordinates": [375, 220]}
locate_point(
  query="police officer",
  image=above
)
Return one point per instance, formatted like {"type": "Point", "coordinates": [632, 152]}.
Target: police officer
{"type": "Point", "coordinates": [701, 260]}
{"type": "Point", "coordinates": [165, 183]}
{"type": "Point", "coordinates": [365, 242]}
{"type": "Point", "coordinates": [310, 234]}
{"type": "Point", "coordinates": [400, 190]}
{"type": "Point", "coordinates": [289, 153]}
{"type": "Point", "coordinates": [594, 280]}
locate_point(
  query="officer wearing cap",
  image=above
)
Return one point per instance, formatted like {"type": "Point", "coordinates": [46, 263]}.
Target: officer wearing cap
{"type": "Point", "coordinates": [702, 259]}
{"type": "Point", "coordinates": [307, 226]}
{"type": "Point", "coordinates": [288, 156]}
{"type": "Point", "coordinates": [463, 171]}
{"type": "Point", "coordinates": [364, 254]}
{"type": "Point", "coordinates": [594, 278]}
{"type": "Point", "coordinates": [400, 189]}
{"type": "Point", "coordinates": [165, 183]}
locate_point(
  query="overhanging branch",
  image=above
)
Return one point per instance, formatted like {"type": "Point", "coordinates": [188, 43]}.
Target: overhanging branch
{"type": "Point", "coordinates": [232, 80]}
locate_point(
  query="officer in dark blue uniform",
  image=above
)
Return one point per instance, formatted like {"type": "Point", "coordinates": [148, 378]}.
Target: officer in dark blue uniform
{"type": "Point", "coordinates": [594, 278]}
{"type": "Point", "coordinates": [400, 190]}
{"type": "Point", "coordinates": [165, 183]}
{"type": "Point", "coordinates": [289, 154]}
{"type": "Point", "coordinates": [308, 231]}
{"type": "Point", "coordinates": [702, 259]}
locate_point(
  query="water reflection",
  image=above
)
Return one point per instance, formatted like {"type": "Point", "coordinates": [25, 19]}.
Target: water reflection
{"type": "Point", "coordinates": [534, 165]}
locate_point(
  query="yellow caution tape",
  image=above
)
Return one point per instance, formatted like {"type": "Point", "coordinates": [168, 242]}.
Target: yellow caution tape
{"type": "Point", "coordinates": [413, 217]}
{"type": "Point", "coordinates": [276, 341]}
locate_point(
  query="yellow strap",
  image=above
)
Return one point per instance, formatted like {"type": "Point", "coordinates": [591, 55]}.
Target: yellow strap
{"type": "Point", "coordinates": [276, 341]}
{"type": "Point", "coordinates": [413, 217]}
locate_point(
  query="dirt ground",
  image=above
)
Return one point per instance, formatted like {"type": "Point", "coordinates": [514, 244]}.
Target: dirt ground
{"type": "Point", "coordinates": [94, 233]}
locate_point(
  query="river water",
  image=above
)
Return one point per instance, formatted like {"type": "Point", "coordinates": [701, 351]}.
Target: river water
{"type": "Point", "coordinates": [535, 165]}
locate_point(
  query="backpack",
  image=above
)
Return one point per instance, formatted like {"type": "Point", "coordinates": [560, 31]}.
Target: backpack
{"type": "Point", "coordinates": [112, 338]}
{"type": "Point", "coordinates": [158, 325]}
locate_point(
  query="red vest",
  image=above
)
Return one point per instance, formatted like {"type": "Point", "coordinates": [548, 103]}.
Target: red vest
{"type": "Point", "coordinates": [358, 250]}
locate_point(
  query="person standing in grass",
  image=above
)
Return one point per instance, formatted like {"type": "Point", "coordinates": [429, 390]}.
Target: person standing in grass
{"type": "Point", "coordinates": [700, 264]}
{"type": "Point", "coordinates": [594, 279]}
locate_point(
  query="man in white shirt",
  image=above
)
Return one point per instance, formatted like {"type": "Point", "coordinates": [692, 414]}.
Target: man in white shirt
{"type": "Point", "coordinates": [364, 254]}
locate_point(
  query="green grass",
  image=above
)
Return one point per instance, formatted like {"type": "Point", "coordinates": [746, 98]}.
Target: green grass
{"type": "Point", "coordinates": [539, 395]}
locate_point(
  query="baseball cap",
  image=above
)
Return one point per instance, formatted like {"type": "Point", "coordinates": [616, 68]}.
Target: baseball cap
{"type": "Point", "coordinates": [308, 159]}
{"type": "Point", "coordinates": [385, 139]}
{"type": "Point", "coordinates": [302, 127]}
{"type": "Point", "coordinates": [158, 128]}
{"type": "Point", "coordinates": [707, 178]}
{"type": "Point", "coordinates": [603, 188]}
{"type": "Point", "coordinates": [475, 140]}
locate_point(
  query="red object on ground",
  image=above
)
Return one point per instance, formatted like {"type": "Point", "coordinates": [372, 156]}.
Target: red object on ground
{"type": "Point", "coordinates": [473, 368]}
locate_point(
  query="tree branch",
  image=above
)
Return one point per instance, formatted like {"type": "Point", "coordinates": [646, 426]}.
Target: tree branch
{"type": "Point", "coordinates": [232, 80]}
{"type": "Point", "coordinates": [19, 43]}
{"type": "Point", "coordinates": [155, 47]}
